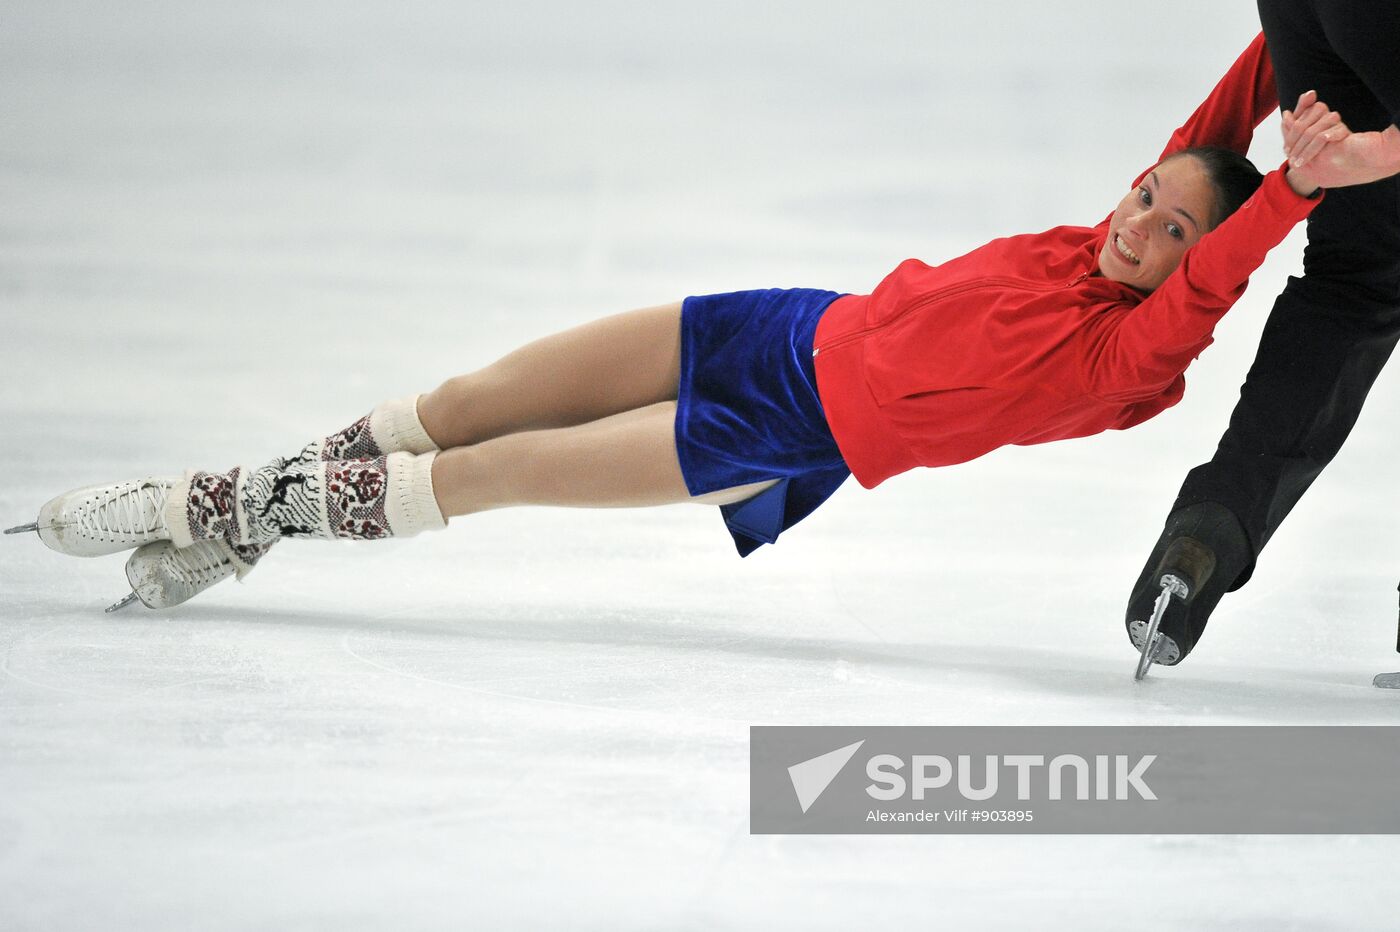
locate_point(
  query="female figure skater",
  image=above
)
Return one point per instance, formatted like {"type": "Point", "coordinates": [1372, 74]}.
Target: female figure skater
{"type": "Point", "coordinates": [763, 402]}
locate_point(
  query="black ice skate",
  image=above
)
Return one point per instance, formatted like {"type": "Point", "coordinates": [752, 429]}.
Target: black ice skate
{"type": "Point", "coordinates": [1199, 555]}
{"type": "Point", "coordinates": [1389, 680]}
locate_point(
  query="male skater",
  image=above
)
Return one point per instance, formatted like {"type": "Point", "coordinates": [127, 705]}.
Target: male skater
{"type": "Point", "coordinates": [1328, 336]}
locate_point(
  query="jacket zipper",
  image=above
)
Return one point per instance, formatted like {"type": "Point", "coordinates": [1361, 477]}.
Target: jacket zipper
{"type": "Point", "coordinates": [948, 292]}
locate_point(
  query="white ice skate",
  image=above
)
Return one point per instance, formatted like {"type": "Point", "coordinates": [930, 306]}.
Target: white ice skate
{"type": "Point", "coordinates": [103, 519]}
{"type": "Point", "coordinates": [163, 575]}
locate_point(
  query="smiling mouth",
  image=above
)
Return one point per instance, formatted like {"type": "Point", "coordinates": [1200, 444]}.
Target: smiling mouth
{"type": "Point", "coordinates": [1124, 251]}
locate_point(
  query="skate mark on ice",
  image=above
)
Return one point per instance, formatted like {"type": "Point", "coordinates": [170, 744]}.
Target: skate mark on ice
{"type": "Point", "coordinates": [588, 663]}
{"type": "Point", "coordinates": [851, 613]}
{"type": "Point", "coordinates": [406, 825]}
{"type": "Point", "coordinates": [104, 695]}
{"type": "Point", "coordinates": [9, 671]}
{"type": "Point", "coordinates": [558, 703]}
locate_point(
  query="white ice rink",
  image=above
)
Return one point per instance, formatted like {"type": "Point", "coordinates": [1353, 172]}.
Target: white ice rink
{"type": "Point", "coordinates": [228, 228]}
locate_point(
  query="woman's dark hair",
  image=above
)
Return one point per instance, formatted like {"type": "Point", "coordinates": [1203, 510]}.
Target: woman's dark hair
{"type": "Point", "coordinates": [1233, 176]}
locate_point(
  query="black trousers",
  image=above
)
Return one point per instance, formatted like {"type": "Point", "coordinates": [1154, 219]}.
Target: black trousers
{"type": "Point", "coordinates": [1332, 330]}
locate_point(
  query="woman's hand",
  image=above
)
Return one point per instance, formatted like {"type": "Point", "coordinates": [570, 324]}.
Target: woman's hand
{"type": "Point", "coordinates": [1323, 152]}
{"type": "Point", "coordinates": [1309, 127]}
{"type": "Point", "coordinates": [1308, 130]}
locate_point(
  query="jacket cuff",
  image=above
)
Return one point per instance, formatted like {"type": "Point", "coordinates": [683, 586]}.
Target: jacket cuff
{"type": "Point", "coordinates": [1283, 199]}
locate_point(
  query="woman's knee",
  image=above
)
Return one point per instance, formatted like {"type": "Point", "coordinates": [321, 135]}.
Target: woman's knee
{"type": "Point", "coordinates": [446, 410]}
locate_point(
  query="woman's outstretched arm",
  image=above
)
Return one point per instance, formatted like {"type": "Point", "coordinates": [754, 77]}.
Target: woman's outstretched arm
{"type": "Point", "coordinates": [1238, 103]}
{"type": "Point", "coordinates": [1141, 351]}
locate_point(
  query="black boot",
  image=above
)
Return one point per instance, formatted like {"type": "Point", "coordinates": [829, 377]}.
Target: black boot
{"type": "Point", "coordinates": [1204, 546]}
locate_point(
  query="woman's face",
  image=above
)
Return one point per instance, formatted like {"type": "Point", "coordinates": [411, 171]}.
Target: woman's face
{"type": "Point", "coordinates": [1156, 223]}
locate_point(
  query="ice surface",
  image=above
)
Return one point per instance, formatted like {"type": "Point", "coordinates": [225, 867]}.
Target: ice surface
{"type": "Point", "coordinates": [229, 228]}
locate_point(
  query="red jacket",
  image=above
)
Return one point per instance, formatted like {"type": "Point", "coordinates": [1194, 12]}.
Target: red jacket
{"type": "Point", "coordinates": [1020, 342]}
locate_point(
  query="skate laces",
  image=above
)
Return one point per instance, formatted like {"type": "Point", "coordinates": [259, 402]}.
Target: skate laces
{"type": "Point", "coordinates": [128, 512]}
{"type": "Point", "coordinates": [199, 563]}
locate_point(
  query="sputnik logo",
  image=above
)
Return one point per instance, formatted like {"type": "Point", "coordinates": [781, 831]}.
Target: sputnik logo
{"type": "Point", "coordinates": [811, 777]}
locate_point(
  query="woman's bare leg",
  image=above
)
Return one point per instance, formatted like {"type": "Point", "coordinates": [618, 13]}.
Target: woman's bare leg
{"type": "Point", "coordinates": [599, 369]}
{"type": "Point", "coordinates": [622, 461]}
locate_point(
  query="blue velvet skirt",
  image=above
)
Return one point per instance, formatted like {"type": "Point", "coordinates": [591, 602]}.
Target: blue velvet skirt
{"type": "Point", "coordinates": [748, 409]}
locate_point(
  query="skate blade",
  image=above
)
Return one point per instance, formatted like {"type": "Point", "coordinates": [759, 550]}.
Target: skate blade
{"type": "Point", "coordinates": [1386, 681]}
{"type": "Point", "coordinates": [120, 604]}
{"type": "Point", "coordinates": [22, 528]}
{"type": "Point", "coordinates": [1151, 639]}
{"type": "Point", "coordinates": [1151, 650]}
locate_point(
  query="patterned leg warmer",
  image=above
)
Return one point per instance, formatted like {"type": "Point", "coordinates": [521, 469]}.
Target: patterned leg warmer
{"type": "Point", "coordinates": [389, 496]}
{"type": "Point", "coordinates": [392, 427]}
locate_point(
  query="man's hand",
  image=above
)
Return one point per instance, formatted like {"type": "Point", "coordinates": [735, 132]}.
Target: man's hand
{"type": "Point", "coordinates": [1323, 152]}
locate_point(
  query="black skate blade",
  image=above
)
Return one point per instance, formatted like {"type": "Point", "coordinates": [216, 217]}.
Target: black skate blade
{"type": "Point", "coordinates": [1386, 681]}
{"type": "Point", "coordinates": [121, 604]}
{"type": "Point", "coordinates": [21, 528]}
